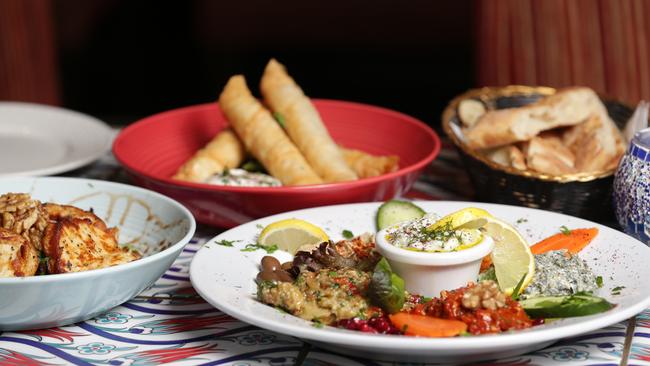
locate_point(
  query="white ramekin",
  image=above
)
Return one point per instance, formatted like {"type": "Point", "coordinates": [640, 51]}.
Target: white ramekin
{"type": "Point", "coordinates": [428, 273]}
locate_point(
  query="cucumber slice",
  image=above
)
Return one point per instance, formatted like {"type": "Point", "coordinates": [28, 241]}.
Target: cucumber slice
{"type": "Point", "coordinates": [564, 306]}
{"type": "Point", "coordinates": [395, 211]}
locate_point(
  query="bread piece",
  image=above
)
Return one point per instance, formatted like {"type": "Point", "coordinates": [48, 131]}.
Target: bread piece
{"type": "Point", "coordinates": [469, 111]}
{"type": "Point", "coordinates": [508, 156]}
{"type": "Point", "coordinates": [18, 257]}
{"type": "Point", "coordinates": [303, 124]}
{"type": "Point", "coordinates": [76, 244]}
{"type": "Point", "coordinates": [262, 135]}
{"type": "Point", "coordinates": [597, 144]}
{"type": "Point", "coordinates": [547, 154]}
{"type": "Point", "coordinates": [567, 107]}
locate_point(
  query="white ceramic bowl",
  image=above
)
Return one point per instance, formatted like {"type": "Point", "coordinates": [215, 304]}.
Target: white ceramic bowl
{"type": "Point", "coordinates": [428, 273]}
{"type": "Point", "coordinates": [158, 226]}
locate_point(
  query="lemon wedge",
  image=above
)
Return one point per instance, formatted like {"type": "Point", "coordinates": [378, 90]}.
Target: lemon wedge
{"type": "Point", "coordinates": [467, 218]}
{"type": "Point", "coordinates": [511, 255]}
{"type": "Point", "coordinates": [291, 234]}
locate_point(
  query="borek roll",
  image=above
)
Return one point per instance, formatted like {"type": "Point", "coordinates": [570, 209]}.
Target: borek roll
{"type": "Point", "coordinates": [262, 135]}
{"type": "Point", "coordinates": [224, 151]}
{"type": "Point", "coordinates": [303, 124]}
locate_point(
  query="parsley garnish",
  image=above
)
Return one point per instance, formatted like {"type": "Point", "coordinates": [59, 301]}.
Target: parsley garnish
{"type": "Point", "coordinates": [279, 118]}
{"type": "Point", "coordinates": [599, 281]}
{"type": "Point", "coordinates": [253, 247]}
{"type": "Point", "coordinates": [565, 230]}
{"type": "Point", "coordinates": [226, 243]}
{"type": "Point", "coordinates": [332, 273]}
{"type": "Point", "coordinates": [348, 234]}
{"type": "Point", "coordinates": [617, 290]}
{"type": "Point", "coordinates": [317, 324]}
{"type": "Point", "coordinates": [522, 220]}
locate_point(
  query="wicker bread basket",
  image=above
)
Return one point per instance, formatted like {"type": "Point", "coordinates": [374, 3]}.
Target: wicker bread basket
{"type": "Point", "coordinates": [582, 195]}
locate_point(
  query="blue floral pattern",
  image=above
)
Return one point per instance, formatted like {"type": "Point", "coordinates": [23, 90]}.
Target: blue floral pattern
{"type": "Point", "coordinates": [95, 348]}
{"type": "Point", "coordinates": [113, 318]}
{"type": "Point", "coordinates": [255, 338]}
{"type": "Point", "coordinates": [569, 354]}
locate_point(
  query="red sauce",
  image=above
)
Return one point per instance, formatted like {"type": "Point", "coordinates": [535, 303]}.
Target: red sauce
{"type": "Point", "coordinates": [479, 321]}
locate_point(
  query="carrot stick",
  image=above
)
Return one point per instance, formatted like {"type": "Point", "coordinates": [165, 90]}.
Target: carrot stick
{"type": "Point", "coordinates": [427, 326]}
{"type": "Point", "coordinates": [573, 241]}
{"type": "Point", "coordinates": [486, 263]}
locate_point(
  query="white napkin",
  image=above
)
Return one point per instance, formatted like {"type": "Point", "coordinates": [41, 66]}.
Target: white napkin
{"type": "Point", "coordinates": [638, 121]}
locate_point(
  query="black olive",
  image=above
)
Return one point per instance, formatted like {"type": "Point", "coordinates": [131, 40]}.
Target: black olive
{"type": "Point", "coordinates": [266, 276]}
{"type": "Point", "coordinates": [283, 276]}
{"type": "Point", "coordinates": [287, 266]}
{"type": "Point", "coordinates": [270, 263]}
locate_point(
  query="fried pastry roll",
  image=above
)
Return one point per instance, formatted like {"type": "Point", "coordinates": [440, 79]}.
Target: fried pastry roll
{"type": "Point", "coordinates": [224, 151]}
{"type": "Point", "coordinates": [366, 165]}
{"type": "Point", "coordinates": [262, 135]}
{"type": "Point", "coordinates": [303, 124]}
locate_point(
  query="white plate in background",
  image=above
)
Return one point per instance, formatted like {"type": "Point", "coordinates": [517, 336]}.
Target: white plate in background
{"type": "Point", "coordinates": [224, 276]}
{"type": "Point", "coordinates": [37, 139]}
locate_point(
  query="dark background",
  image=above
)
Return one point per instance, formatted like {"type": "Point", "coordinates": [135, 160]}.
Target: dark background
{"type": "Point", "coordinates": [122, 60]}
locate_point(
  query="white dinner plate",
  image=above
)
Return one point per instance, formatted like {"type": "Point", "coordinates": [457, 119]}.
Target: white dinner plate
{"type": "Point", "coordinates": [224, 276]}
{"type": "Point", "coordinates": [40, 140]}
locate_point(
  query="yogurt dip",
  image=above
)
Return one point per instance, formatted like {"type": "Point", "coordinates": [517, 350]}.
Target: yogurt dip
{"type": "Point", "coordinates": [243, 178]}
{"type": "Point", "coordinates": [432, 261]}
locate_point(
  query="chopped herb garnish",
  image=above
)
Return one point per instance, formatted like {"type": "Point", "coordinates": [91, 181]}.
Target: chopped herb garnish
{"type": "Point", "coordinates": [521, 220]}
{"type": "Point", "coordinates": [279, 118]}
{"type": "Point", "coordinates": [253, 166]}
{"type": "Point", "coordinates": [333, 273]}
{"type": "Point", "coordinates": [404, 328]}
{"type": "Point", "coordinates": [317, 324]}
{"type": "Point", "coordinates": [348, 234]}
{"type": "Point", "coordinates": [226, 243]}
{"type": "Point", "coordinates": [253, 247]}
{"type": "Point", "coordinates": [259, 226]}
{"type": "Point", "coordinates": [281, 310]}
{"type": "Point", "coordinates": [599, 281]}
{"type": "Point", "coordinates": [617, 290]}
{"type": "Point", "coordinates": [565, 230]}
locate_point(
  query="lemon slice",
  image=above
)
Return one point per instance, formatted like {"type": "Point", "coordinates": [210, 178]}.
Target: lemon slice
{"type": "Point", "coordinates": [511, 255]}
{"type": "Point", "coordinates": [291, 234]}
{"type": "Point", "coordinates": [467, 218]}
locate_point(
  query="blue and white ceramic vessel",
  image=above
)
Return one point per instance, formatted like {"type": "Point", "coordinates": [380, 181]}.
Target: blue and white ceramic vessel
{"type": "Point", "coordinates": [632, 188]}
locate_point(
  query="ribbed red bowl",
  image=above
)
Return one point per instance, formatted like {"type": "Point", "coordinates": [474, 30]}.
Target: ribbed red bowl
{"type": "Point", "coordinates": [152, 149]}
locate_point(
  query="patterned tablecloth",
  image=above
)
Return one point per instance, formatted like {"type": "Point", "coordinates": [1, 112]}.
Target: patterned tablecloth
{"type": "Point", "coordinates": [170, 323]}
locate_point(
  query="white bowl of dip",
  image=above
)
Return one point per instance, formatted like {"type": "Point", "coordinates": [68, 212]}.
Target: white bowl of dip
{"type": "Point", "coordinates": [428, 273]}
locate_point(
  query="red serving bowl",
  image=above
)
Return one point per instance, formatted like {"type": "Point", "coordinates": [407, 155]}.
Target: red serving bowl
{"type": "Point", "coordinates": [152, 149]}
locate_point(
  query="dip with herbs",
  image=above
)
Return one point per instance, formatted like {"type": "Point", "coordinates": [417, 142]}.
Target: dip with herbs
{"type": "Point", "coordinates": [243, 178]}
{"type": "Point", "coordinates": [416, 235]}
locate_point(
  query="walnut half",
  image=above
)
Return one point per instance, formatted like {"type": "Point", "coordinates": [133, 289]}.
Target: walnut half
{"type": "Point", "coordinates": [484, 295]}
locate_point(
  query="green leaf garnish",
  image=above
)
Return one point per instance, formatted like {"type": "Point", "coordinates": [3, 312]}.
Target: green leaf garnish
{"type": "Point", "coordinates": [348, 234]}
{"type": "Point", "coordinates": [279, 118]}
{"type": "Point", "coordinates": [599, 281]}
{"type": "Point", "coordinates": [565, 230]}
{"type": "Point", "coordinates": [386, 289]}
{"type": "Point", "coordinates": [521, 220]}
{"type": "Point", "coordinates": [515, 292]}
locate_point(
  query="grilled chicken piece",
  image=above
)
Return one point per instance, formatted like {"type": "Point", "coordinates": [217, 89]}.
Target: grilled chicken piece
{"type": "Point", "coordinates": [22, 215]}
{"type": "Point", "coordinates": [75, 244]}
{"type": "Point", "coordinates": [18, 257]}
{"type": "Point", "coordinates": [56, 212]}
